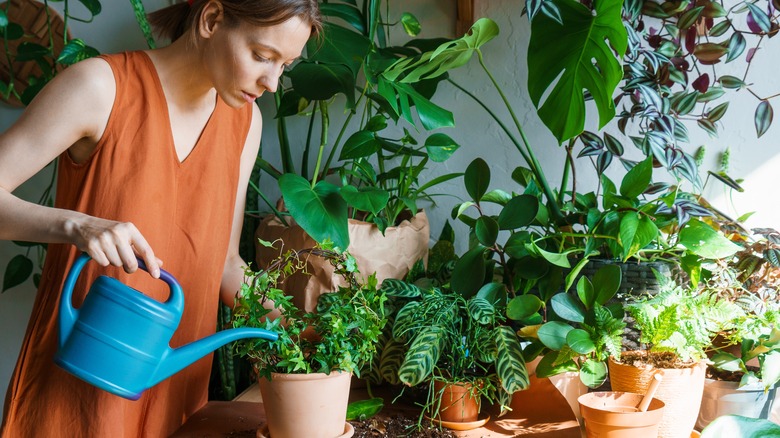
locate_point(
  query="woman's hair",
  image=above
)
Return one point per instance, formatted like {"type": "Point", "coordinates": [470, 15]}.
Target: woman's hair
{"type": "Point", "coordinates": [174, 21]}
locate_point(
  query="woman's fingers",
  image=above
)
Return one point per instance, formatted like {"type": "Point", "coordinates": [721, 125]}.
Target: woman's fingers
{"type": "Point", "coordinates": [144, 250]}
{"type": "Point", "coordinates": [117, 243]}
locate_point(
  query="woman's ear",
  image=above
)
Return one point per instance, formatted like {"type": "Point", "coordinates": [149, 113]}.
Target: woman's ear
{"type": "Point", "coordinates": [211, 16]}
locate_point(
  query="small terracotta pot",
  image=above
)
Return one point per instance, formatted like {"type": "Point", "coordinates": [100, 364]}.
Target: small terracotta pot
{"type": "Point", "coordinates": [681, 391]}
{"type": "Point", "coordinates": [306, 405]}
{"type": "Point", "coordinates": [613, 415]}
{"type": "Point", "coordinates": [460, 402]}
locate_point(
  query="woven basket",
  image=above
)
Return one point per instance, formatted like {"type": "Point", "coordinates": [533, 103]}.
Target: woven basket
{"type": "Point", "coordinates": [681, 390]}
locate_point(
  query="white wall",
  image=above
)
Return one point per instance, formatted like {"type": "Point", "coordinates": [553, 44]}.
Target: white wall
{"type": "Point", "coordinates": [752, 159]}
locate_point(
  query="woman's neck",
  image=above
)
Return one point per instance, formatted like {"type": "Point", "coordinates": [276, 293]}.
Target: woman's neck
{"type": "Point", "coordinates": [183, 77]}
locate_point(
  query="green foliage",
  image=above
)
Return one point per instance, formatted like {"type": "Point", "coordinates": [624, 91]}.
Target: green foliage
{"type": "Point", "coordinates": [342, 335]}
{"type": "Point", "coordinates": [443, 335]}
{"type": "Point", "coordinates": [590, 332]}
{"type": "Point", "coordinates": [681, 321]}
{"type": "Point", "coordinates": [744, 427]}
{"type": "Point", "coordinates": [559, 49]}
{"type": "Point", "coordinates": [376, 177]}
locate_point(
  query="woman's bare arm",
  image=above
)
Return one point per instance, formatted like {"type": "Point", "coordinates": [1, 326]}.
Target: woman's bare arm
{"type": "Point", "coordinates": [70, 113]}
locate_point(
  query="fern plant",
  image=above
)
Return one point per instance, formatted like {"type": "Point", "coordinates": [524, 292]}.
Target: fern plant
{"type": "Point", "coordinates": [584, 331]}
{"type": "Point", "coordinates": [681, 321]}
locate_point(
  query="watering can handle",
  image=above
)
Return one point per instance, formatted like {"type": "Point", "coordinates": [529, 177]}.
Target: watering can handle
{"type": "Point", "coordinates": [68, 314]}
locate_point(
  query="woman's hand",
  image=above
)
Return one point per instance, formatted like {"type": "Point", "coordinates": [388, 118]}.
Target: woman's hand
{"type": "Point", "coordinates": [113, 243]}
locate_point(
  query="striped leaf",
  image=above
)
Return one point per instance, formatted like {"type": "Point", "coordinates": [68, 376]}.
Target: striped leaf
{"type": "Point", "coordinates": [404, 319]}
{"type": "Point", "coordinates": [510, 365]}
{"type": "Point", "coordinates": [486, 347]}
{"type": "Point", "coordinates": [421, 357]}
{"type": "Point", "coordinates": [481, 310]}
{"type": "Point", "coordinates": [399, 288]}
{"type": "Point", "coordinates": [390, 362]}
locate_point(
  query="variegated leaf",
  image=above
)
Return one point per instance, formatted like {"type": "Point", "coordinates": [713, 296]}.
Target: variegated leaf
{"type": "Point", "coordinates": [510, 365]}
{"type": "Point", "coordinates": [421, 356]}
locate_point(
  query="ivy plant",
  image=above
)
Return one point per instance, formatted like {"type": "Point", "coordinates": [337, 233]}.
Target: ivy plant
{"type": "Point", "coordinates": [341, 335]}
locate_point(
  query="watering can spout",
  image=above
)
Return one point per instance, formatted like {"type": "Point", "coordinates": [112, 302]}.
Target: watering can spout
{"type": "Point", "coordinates": [177, 359]}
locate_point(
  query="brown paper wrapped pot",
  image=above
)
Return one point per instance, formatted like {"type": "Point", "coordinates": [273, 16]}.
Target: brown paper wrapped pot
{"type": "Point", "coordinates": [390, 256]}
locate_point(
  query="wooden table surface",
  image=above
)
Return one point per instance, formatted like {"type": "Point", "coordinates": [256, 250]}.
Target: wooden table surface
{"type": "Point", "coordinates": [539, 411]}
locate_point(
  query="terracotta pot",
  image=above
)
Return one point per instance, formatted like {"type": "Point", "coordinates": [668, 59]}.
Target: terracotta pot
{"type": "Point", "coordinates": [614, 415]}
{"type": "Point", "coordinates": [306, 405]}
{"type": "Point", "coordinates": [460, 402]}
{"type": "Point", "coordinates": [571, 388]}
{"type": "Point", "coordinates": [722, 398]}
{"type": "Point", "coordinates": [391, 255]}
{"type": "Point", "coordinates": [681, 391]}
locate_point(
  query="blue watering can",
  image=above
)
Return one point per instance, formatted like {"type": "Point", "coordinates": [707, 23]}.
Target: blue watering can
{"type": "Point", "coordinates": [118, 339]}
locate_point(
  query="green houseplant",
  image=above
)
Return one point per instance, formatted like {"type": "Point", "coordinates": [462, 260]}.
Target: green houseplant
{"type": "Point", "coordinates": [440, 338]}
{"type": "Point", "coordinates": [587, 331]}
{"type": "Point", "coordinates": [322, 348]}
{"type": "Point", "coordinates": [676, 326]}
{"type": "Point", "coordinates": [364, 173]}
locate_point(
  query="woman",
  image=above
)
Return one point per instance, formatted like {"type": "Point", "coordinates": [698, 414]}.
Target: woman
{"type": "Point", "coordinates": [155, 151]}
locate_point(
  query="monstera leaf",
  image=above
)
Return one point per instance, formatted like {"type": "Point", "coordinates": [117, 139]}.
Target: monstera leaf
{"type": "Point", "coordinates": [319, 210]}
{"type": "Point", "coordinates": [580, 51]}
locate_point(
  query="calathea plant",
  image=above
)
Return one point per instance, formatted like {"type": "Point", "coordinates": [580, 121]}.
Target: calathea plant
{"type": "Point", "coordinates": [438, 334]}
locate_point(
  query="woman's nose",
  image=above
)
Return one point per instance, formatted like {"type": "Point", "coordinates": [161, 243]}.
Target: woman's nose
{"type": "Point", "coordinates": [270, 81]}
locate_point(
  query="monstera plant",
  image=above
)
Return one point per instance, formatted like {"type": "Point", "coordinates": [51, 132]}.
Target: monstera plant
{"type": "Point", "coordinates": [369, 171]}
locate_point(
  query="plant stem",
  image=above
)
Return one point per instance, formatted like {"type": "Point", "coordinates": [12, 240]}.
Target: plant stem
{"type": "Point", "coordinates": [323, 141]}
{"type": "Point", "coordinates": [306, 150]}
{"type": "Point", "coordinates": [284, 140]}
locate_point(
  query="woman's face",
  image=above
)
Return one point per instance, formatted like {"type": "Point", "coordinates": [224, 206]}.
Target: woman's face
{"type": "Point", "coordinates": [246, 60]}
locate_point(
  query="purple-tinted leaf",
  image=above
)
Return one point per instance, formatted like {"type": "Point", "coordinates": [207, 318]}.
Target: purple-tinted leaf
{"type": "Point", "coordinates": [736, 46]}
{"type": "Point", "coordinates": [656, 188]}
{"type": "Point", "coordinates": [763, 117]}
{"type": "Point", "coordinates": [751, 52]}
{"type": "Point", "coordinates": [688, 169]}
{"type": "Point", "coordinates": [613, 145]}
{"type": "Point", "coordinates": [760, 18]}
{"type": "Point", "coordinates": [708, 126]}
{"type": "Point", "coordinates": [690, 40]}
{"type": "Point", "coordinates": [717, 113]}
{"type": "Point", "coordinates": [752, 25]}
{"type": "Point", "coordinates": [709, 53]}
{"type": "Point", "coordinates": [603, 162]}
{"type": "Point", "coordinates": [702, 83]}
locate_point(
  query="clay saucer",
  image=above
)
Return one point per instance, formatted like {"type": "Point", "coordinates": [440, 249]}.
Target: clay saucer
{"type": "Point", "coordinates": [262, 432]}
{"type": "Point", "coordinates": [458, 425]}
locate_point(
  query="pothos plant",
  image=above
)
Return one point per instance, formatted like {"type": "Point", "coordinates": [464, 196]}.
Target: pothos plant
{"type": "Point", "coordinates": [19, 49]}
{"type": "Point", "coordinates": [582, 331]}
{"type": "Point", "coordinates": [341, 335]}
{"type": "Point", "coordinates": [365, 172]}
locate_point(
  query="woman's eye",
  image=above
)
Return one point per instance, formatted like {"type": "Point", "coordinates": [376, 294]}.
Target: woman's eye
{"type": "Point", "coordinates": [261, 58]}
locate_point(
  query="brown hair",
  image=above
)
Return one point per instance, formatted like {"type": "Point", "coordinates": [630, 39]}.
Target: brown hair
{"type": "Point", "coordinates": [174, 21]}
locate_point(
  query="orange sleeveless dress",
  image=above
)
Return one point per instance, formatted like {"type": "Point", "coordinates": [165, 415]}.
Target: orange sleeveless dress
{"type": "Point", "coordinates": [184, 210]}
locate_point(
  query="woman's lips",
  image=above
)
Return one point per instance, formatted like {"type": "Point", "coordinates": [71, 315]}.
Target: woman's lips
{"type": "Point", "coordinates": [249, 97]}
